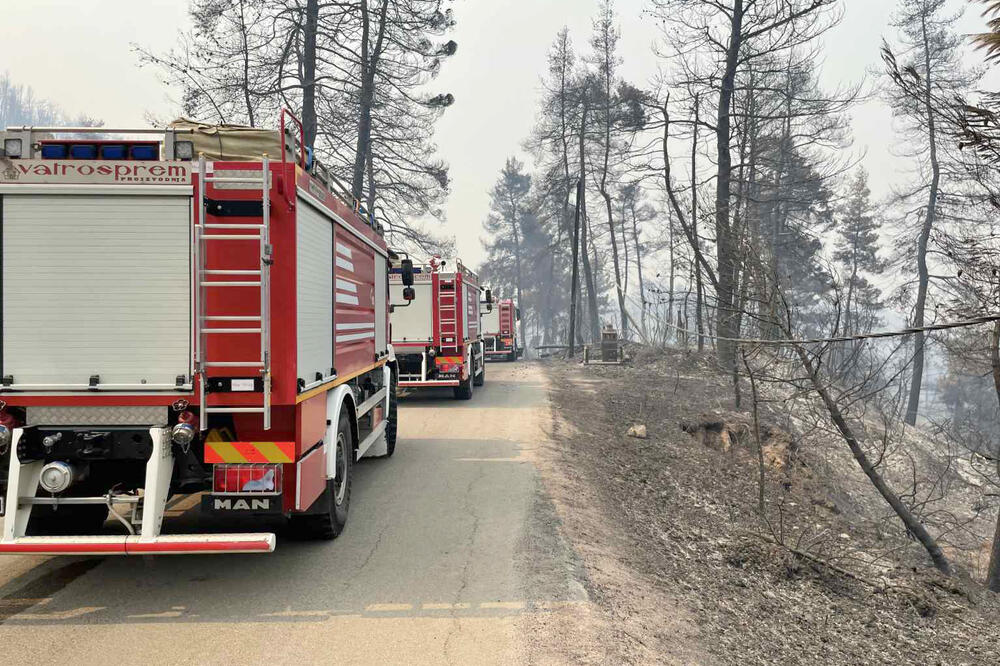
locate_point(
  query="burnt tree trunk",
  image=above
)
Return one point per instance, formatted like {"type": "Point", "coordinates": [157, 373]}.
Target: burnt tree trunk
{"type": "Point", "coordinates": [370, 55]}
{"type": "Point", "coordinates": [726, 249]}
{"type": "Point", "coordinates": [309, 124]}
{"type": "Point", "coordinates": [699, 285]}
{"type": "Point", "coordinates": [993, 576]}
{"type": "Point", "coordinates": [912, 524]}
{"type": "Point", "coordinates": [923, 275]}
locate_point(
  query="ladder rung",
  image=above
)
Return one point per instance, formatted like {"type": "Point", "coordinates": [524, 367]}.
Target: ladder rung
{"type": "Point", "coordinates": [233, 179]}
{"type": "Point", "coordinates": [233, 364]}
{"type": "Point", "coordinates": [231, 330]}
{"type": "Point", "coordinates": [233, 272]}
{"type": "Point", "coordinates": [234, 410]}
{"type": "Point", "coordinates": [229, 318]}
{"type": "Point", "coordinates": [230, 237]}
{"type": "Point", "coordinates": [229, 284]}
{"type": "Point", "coordinates": [230, 226]}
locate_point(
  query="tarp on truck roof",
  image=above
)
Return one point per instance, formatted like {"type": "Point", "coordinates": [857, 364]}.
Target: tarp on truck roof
{"type": "Point", "coordinates": [231, 142]}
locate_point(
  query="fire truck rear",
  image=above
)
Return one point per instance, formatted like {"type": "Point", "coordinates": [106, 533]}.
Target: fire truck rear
{"type": "Point", "coordinates": [500, 331]}
{"type": "Point", "coordinates": [437, 338]}
{"type": "Point", "coordinates": [190, 312]}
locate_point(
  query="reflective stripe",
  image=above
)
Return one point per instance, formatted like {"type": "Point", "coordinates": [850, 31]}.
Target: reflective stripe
{"type": "Point", "coordinates": [361, 326]}
{"type": "Point", "coordinates": [356, 336]}
{"type": "Point", "coordinates": [249, 452]}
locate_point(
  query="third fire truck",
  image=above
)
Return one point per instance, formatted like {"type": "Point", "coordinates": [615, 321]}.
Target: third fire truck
{"type": "Point", "coordinates": [437, 337]}
{"type": "Point", "coordinates": [500, 331]}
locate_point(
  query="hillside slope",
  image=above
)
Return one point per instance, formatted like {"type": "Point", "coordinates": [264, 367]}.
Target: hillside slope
{"type": "Point", "coordinates": [828, 578]}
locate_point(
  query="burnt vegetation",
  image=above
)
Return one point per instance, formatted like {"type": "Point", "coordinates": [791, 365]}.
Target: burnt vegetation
{"type": "Point", "coordinates": [722, 209]}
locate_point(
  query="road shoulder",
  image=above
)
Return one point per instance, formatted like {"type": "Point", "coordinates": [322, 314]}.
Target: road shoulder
{"type": "Point", "coordinates": [628, 618]}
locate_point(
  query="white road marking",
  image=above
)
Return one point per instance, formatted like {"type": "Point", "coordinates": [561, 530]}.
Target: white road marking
{"type": "Point", "coordinates": [388, 608]}
{"type": "Point", "coordinates": [58, 615]}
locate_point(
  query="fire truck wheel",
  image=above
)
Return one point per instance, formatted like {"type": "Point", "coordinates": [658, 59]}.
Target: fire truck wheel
{"type": "Point", "coordinates": [330, 517]}
{"type": "Point", "coordinates": [481, 377]}
{"type": "Point", "coordinates": [464, 390]}
{"type": "Point", "coordinates": [392, 420]}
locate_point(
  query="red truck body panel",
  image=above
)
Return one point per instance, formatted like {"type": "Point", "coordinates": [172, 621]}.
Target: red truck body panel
{"type": "Point", "coordinates": [358, 300]}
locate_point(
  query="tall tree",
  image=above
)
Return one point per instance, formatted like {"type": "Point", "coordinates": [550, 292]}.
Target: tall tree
{"type": "Point", "coordinates": [930, 52]}
{"type": "Point", "coordinates": [734, 35]}
{"type": "Point", "coordinates": [856, 252]}
{"type": "Point", "coordinates": [604, 43]}
{"type": "Point", "coordinates": [510, 223]}
{"type": "Point", "coordinates": [356, 72]}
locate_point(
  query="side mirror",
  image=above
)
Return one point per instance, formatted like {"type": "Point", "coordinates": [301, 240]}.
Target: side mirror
{"type": "Point", "coordinates": [406, 268]}
{"type": "Point", "coordinates": [518, 312]}
{"type": "Point", "coordinates": [489, 296]}
{"type": "Point", "coordinates": [409, 293]}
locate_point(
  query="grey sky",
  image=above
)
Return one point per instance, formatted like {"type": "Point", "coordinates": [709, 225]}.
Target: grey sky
{"type": "Point", "coordinates": [77, 54]}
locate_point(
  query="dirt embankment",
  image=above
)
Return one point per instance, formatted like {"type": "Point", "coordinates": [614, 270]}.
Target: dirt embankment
{"type": "Point", "coordinates": [670, 531]}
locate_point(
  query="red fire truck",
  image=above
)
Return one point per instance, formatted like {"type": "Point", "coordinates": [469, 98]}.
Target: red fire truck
{"type": "Point", "coordinates": [500, 331]}
{"type": "Point", "coordinates": [190, 312]}
{"type": "Point", "coordinates": [436, 337]}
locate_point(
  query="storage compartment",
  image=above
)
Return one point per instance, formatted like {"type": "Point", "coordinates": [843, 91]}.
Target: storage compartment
{"type": "Point", "coordinates": [414, 322]}
{"type": "Point", "coordinates": [96, 290]}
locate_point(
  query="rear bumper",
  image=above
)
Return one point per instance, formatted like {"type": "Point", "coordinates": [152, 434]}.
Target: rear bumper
{"type": "Point", "coordinates": [443, 382]}
{"type": "Point", "coordinates": [179, 544]}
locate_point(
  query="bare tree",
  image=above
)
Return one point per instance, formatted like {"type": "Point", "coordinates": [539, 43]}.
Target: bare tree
{"type": "Point", "coordinates": [930, 53]}
{"type": "Point", "coordinates": [735, 34]}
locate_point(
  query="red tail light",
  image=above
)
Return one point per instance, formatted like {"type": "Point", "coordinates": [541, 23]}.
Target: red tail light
{"type": "Point", "coordinates": [9, 420]}
{"type": "Point", "coordinates": [248, 479]}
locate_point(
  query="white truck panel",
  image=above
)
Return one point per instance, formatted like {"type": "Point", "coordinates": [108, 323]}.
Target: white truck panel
{"type": "Point", "coordinates": [381, 278]}
{"type": "Point", "coordinates": [314, 296]}
{"type": "Point", "coordinates": [96, 285]}
{"type": "Point", "coordinates": [414, 323]}
{"type": "Point", "coordinates": [491, 321]}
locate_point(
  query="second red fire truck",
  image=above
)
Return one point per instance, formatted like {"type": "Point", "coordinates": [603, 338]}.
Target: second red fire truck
{"type": "Point", "coordinates": [437, 337]}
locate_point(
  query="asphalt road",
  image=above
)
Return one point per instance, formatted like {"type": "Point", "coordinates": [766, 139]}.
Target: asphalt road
{"type": "Point", "coordinates": [452, 555]}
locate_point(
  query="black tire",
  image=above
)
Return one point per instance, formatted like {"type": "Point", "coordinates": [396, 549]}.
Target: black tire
{"type": "Point", "coordinates": [392, 419]}
{"type": "Point", "coordinates": [480, 379]}
{"type": "Point", "coordinates": [512, 355]}
{"type": "Point", "coordinates": [328, 515]}
{"type": "Point", "coordinates": [464, 390]}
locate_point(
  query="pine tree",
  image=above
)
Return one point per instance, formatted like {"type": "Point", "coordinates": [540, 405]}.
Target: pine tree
{"type": "Point", "coordinates": [511, 226]}
{"type": "Point", "coordinates": [930, 53]}
{"type": "Point", "coordinates": [856, 253]}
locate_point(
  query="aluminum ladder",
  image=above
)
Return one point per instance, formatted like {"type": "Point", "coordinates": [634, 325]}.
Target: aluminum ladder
{"type": "Point", "coordinates": [448, 314]}
{"type": "Point", "coordinates": [258, 277]}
